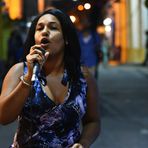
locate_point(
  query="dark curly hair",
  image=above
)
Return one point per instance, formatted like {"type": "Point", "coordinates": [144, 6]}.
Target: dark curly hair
{"type": "Point", "coordinates": [72, 49]}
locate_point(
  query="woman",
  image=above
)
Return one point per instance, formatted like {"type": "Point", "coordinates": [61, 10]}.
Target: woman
{"type": "Point", "coordinates": [51, 108]}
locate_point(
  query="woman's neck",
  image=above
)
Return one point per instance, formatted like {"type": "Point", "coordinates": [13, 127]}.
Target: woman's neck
{"type": "Point", "coordinates": [54, 65]}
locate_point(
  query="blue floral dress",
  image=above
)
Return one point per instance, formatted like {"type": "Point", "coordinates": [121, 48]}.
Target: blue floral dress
{"type": "Point", "coordinates": [43, 124]}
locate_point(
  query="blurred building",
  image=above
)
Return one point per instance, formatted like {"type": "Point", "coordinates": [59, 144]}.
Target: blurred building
{"type": "Point", "coordinates": [127, 29]}
{"type": "Point", "coordinates": [137, 25]}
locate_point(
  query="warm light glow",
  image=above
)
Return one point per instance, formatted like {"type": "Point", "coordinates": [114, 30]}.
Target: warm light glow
{"type": "Point", "coordinates": [108, 28]}
{"type": "Point", "coordinates": [87, 6]}
{"type": "Point", "coordinates": [7, 3]}
{"type": "Point", "coordinates": [80, 7]}
{"type": "Point", "coordinates": [40, 6]}
{"type": "Point", "coordinates": [101, 29]}
{"type": "Point", "coordinates": [121, 28]}
{"type": "Point", "coordinates": [73, 18]}
{"type": "Point", "coordinates": [107, 21]}
{"type": "Point", "coordinates": [14, 8]}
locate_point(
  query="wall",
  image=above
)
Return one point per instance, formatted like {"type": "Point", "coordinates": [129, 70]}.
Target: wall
{"type": "Point", "coordinates": [137, 23]}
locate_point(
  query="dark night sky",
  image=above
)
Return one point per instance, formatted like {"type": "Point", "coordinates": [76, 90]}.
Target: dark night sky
{"type": "Point", "coordinates": [96, 13]}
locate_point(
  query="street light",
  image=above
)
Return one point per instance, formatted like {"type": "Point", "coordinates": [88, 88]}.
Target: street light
{"type": "Point", "coordinates": [107, 21]}
{"type": "Point", "coordinates": [73, 18]}
{"type": "Point", "coordinates": [87, 6]}
{"type": "Point", "coordinates": [80, 7]}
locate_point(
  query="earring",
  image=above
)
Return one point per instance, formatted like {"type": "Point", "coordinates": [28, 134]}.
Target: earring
{"type": "Point", "coordinates": [66, 42]}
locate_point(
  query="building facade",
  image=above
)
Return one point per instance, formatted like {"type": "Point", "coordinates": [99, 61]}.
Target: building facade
{"type": "Point", "coordinates": [131, 24]}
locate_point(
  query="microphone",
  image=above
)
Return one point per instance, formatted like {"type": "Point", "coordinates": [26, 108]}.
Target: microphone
{"type": "Point", "coordinates": [36, 67]}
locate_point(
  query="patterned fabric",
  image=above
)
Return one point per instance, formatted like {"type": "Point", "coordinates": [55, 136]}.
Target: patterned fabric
{"type": "Point", "coordinates": [43, 124]}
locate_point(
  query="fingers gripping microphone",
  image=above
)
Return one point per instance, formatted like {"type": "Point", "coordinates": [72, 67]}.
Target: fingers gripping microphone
{"type": "Point", "coordinates": [36, 67]}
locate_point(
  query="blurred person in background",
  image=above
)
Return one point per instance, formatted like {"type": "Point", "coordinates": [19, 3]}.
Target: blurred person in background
{"type": "Point", "coordinates": [90, 43]}
{"type": "Point", "coordinates": [51, 108]}
{"type": "Point", "coordinates": [105, 52]}
{"type": "Point", "coordinates": [15, 46]}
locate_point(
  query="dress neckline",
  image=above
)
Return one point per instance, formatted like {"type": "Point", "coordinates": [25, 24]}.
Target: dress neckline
{"type": "Point", "coordinates": [42, 77]}
{"type": "Point", "coordinates": [51, 100]}
{"type": "Point", "coordinates": [65, 81]}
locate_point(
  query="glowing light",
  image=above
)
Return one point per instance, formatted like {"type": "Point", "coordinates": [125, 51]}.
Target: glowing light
{"type": "Point", "coordinates": [28, 24]}
{"type": "Point", "coordinates": [14, 8]}
{"type": "Point", "coordinates": [108, 28]}
{"type": "Point", "coordinates": [107, 21]}
{"type": "Point", "coordinates": [101, 29]}
{"type": "Point", "coordinates": [41, 6]}
{"type": "Point", "coordinates": [80, 7]}
{"type": "Point", "coordinates": [7, 3]}
{"type": "Point", "coordinates": [87, 6]}
{"type": "Point", "coordinates": [73, 18]}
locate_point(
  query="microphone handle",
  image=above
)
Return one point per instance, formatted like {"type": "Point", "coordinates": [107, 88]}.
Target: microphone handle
{"type": "Point", "coordinates": [36, 67]}
{"type": "Point", "coordinates": [36, 70]}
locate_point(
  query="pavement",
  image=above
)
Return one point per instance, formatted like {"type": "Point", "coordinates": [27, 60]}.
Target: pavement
{"type": "Point", "coordinates": [124, 107]}
{"type": "Point", "coordinates": [124, 112]}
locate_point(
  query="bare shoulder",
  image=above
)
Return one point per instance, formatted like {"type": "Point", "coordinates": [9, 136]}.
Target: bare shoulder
{"type": "Point", "coordinates": [12, 78]}
{"type": "Point", "coordinates": [16, 70]}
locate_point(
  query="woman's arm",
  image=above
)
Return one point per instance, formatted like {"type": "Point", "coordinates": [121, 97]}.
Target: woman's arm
{"type": "Point", "coordinates": [91, 120]}
{"type": "Point", "coordinates": [13, 95]}
{"type": "Point", "coordinates": [15, 91]}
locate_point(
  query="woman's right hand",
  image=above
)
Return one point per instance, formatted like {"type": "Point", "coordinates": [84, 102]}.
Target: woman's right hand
{"type": "Point", "coordinates": [35, 54]}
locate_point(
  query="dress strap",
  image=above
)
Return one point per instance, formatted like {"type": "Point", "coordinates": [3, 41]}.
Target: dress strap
{"type": "Point", "coordinates": [65, 78]}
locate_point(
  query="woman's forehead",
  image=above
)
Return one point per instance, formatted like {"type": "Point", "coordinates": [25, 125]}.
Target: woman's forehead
{"type": "Point", "coordinates": [48, 18]}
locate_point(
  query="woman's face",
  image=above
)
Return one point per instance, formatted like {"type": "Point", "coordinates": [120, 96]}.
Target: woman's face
{"type": "Point", "coordinates": [49, 34]}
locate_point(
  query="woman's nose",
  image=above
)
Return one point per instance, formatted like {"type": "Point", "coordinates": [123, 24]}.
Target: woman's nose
{"type": "Point", "coordinates": [45, 32]}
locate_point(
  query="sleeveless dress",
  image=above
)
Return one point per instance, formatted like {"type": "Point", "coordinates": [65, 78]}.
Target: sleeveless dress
{"type": "Point", "coordinates": [43, 124]}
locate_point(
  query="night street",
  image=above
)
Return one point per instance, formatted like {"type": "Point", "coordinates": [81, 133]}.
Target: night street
{"type": "Point", "coordinates": [124, 99]}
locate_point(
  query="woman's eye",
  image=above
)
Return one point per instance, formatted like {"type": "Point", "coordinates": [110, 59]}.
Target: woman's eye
{"type": "Point", "coordinates": [53, 27]}
{"type": "Point", "coordinates": [39, 28]}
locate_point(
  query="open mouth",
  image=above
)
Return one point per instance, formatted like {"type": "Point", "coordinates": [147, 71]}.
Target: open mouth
{"type": "Point", "coordinates": [44, 42]}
